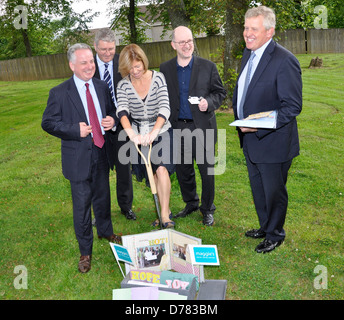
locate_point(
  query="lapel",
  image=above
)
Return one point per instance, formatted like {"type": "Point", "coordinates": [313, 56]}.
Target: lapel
{"type": "Point", "coordinates": [194, 74]}
{"type": "Point", "coordinates": [245, 57]}
{"type": "Point", "coordinates": [174, 76]}
{"type": "Point", "coordinates": [116, 75]}
{"type": "Point", "coordinates": [96, 73]}
{"type": "Point", "coordinates": [73, 94]}
{"type": "Point", "coordinates": [264, 61]}
{"type": "Point", "coordinates": [114, 66]}
{"type": "Point", "coordinates": [100, 96]}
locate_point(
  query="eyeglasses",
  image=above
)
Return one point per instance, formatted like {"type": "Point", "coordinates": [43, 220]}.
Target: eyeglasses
{"type": "Point", "coordinates": [183, 43]}
{"type": "Point", "coordinates": [103, 50]}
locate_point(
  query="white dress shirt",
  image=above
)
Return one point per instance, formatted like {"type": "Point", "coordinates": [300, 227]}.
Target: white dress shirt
{"type": "Point", "coordinates": [259, 52]}
{"type": "Point", "coordinates": [80, 85]}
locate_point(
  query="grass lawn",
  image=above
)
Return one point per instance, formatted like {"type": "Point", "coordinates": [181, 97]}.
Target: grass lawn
{"type": "Point", "coordinates": [36, 208]}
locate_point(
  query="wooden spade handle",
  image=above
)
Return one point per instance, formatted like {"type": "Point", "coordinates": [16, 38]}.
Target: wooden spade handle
{"type": "Point", "coordinates": [148, 167]}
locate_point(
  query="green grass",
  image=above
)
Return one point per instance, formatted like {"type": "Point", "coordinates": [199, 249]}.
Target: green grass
{"type": "Point", "coordinates": [36, 209]}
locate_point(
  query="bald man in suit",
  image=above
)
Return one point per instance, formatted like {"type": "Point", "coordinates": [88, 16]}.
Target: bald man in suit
{"type": "Point", "coordinates": [188, 75]}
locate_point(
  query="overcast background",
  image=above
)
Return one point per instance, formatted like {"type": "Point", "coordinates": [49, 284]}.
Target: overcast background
{"type": "Point", "coordinates": [102, 20]}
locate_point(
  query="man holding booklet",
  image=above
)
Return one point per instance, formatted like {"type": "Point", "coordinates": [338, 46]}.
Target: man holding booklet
{"type": "Point", "coordinates": [269, 80]}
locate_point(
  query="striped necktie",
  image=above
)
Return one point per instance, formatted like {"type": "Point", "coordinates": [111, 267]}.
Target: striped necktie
{"type": "Point", "coordinates": [107, 79]}
{"type": "Point", "coordinates": [98, 138]}
{"type": "Point", "coordinates": [247, 82]}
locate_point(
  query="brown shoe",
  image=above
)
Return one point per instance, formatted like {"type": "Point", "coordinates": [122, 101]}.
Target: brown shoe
{"type": "Point", "coordinates": [113, 238]}
{"type": "Point", "coordinates": [84, 264]}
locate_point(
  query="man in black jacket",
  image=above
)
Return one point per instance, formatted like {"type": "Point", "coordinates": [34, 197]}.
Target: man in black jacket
{"type": "Point", "coordinates": [274, 82]}
{"type": "Point", "coordinates": [81, 113]}
{"type": "Point", "coordinates": [195, 92]}
{"type": "Point", "coordinates": [106, 61]}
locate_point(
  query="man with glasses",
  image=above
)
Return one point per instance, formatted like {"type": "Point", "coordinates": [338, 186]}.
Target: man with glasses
{"type": "Point", "coordinates": [106, 61]}
{"type": "Point", "coordinates": [195, 92]}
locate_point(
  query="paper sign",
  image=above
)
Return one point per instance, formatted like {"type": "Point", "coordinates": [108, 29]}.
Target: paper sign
{"type": "Point", "coordinates": [145, 293]}
{"type": "Point", "coordinates": [194, 100]}
{"type": "Point", "coordinates": [147, 276]}
{"type": "Point", "coordinates": [121, 294]}
{"type": "Point", "coordinates": [204, 255]}
{"type": "Point", "coordinates": [121, 253]}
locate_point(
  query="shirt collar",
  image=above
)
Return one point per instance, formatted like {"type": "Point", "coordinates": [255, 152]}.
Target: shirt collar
{"type": "Point", "coordinates": [101, 63]}
{"type": "Point", "coordinates": [189, 65]}
{"type": "Point", "coordinates": [81, 83]}
{"type": "Point", "coordinates": [259, 52]}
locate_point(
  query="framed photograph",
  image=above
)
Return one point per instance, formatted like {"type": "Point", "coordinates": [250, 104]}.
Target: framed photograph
{"type": "Point", "coordinates": [162, 250]}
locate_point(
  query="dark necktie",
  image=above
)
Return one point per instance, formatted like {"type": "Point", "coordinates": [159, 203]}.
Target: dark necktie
{"type": "Point", "coordinates": [107, 79]}
{"type": "Point", "coordinates": [98, 138]}
{"type": "Point", "coordinates": [247, 82]}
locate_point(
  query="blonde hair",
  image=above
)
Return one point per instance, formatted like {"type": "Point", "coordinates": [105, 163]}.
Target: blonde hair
{"type": "Point", "coordinates": [128, 55]}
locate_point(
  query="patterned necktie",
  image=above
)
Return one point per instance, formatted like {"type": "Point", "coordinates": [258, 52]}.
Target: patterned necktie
{"type": "Point", "coordinates": [107, 79]}
{"type": "Point", "coordinates": [247, 82]}
{"type": "Point", "coordinates": [98, 138]}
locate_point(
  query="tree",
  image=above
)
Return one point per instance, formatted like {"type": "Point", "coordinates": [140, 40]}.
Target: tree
{"type": "Point", "coordinates": [30, 27]}
{"type": "Point", "coordinates": [334, 11]}
{"type": "Point", "coordinates": [132, 24]}
{"type": "Point", "coordinates": [177, 13]}
{"type": "Point", "coordinates": [234, 44]}
{"type": "Point", "coordinates": [207, 16]}
{"type": "Point", "coordinates": [129, 20]}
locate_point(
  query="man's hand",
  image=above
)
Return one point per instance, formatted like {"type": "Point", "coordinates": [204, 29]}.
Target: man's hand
{"type": "Point", "coordinates": [85, 130]}
{"type": "Point", "coordinates": [248, 130]}
{"type": "Point", "coordinates": [108, 123]}
{"type": "Point", "coordinates": [203, 105]}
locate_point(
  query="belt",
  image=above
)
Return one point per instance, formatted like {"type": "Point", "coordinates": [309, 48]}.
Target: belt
{"type": "Point", "coordinates": [185, 120]}
{"type": "Point", "coordinates": [140, 122]}
{"type": "Point", "coordinates": [149, 120]}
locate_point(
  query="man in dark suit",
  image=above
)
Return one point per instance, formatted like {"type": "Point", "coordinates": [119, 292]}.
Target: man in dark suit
{"type": "Point", "coordinates": [275, 85]}
{"type": "Point", "coordinates": [106, 61]}
{"type": "Point", "coordinates": [188, 76]}
{"type": "Point", "coordinates": [81, 113]}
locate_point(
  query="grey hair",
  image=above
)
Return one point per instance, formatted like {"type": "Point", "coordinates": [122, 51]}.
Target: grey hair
{"type": "Point", "coordinates": [104, 34]}
{"type": "Point", "coordinates": [75, 47]}
{"type": "Point", "coordinates": [267, 13]}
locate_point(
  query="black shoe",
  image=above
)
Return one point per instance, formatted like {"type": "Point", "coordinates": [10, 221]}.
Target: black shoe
{"type": "Point", "coordinates": [268, 245]}
{"type": "Point", "coordinates": [130, 215]}
{"type": "Point", "coordinates": [186, 211]}
{"type": "Point", "coordinates": [255, 233]}
{"type": "Point", "coordinates": [208, 219]}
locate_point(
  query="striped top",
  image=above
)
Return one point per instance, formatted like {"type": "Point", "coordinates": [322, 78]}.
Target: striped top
{"type": "Point", "coordinates": [156, 103]}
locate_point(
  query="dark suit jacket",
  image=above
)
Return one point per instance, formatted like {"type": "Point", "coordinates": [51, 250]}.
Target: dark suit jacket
{"type": "Point", "coordinates": [61, 119]}
{"type": "Point", "coordinates": [205, 82]}
{"type": "Point", "coordinates": [116, 77]}
{"type": "Point", "coordinates": [275, 85]}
